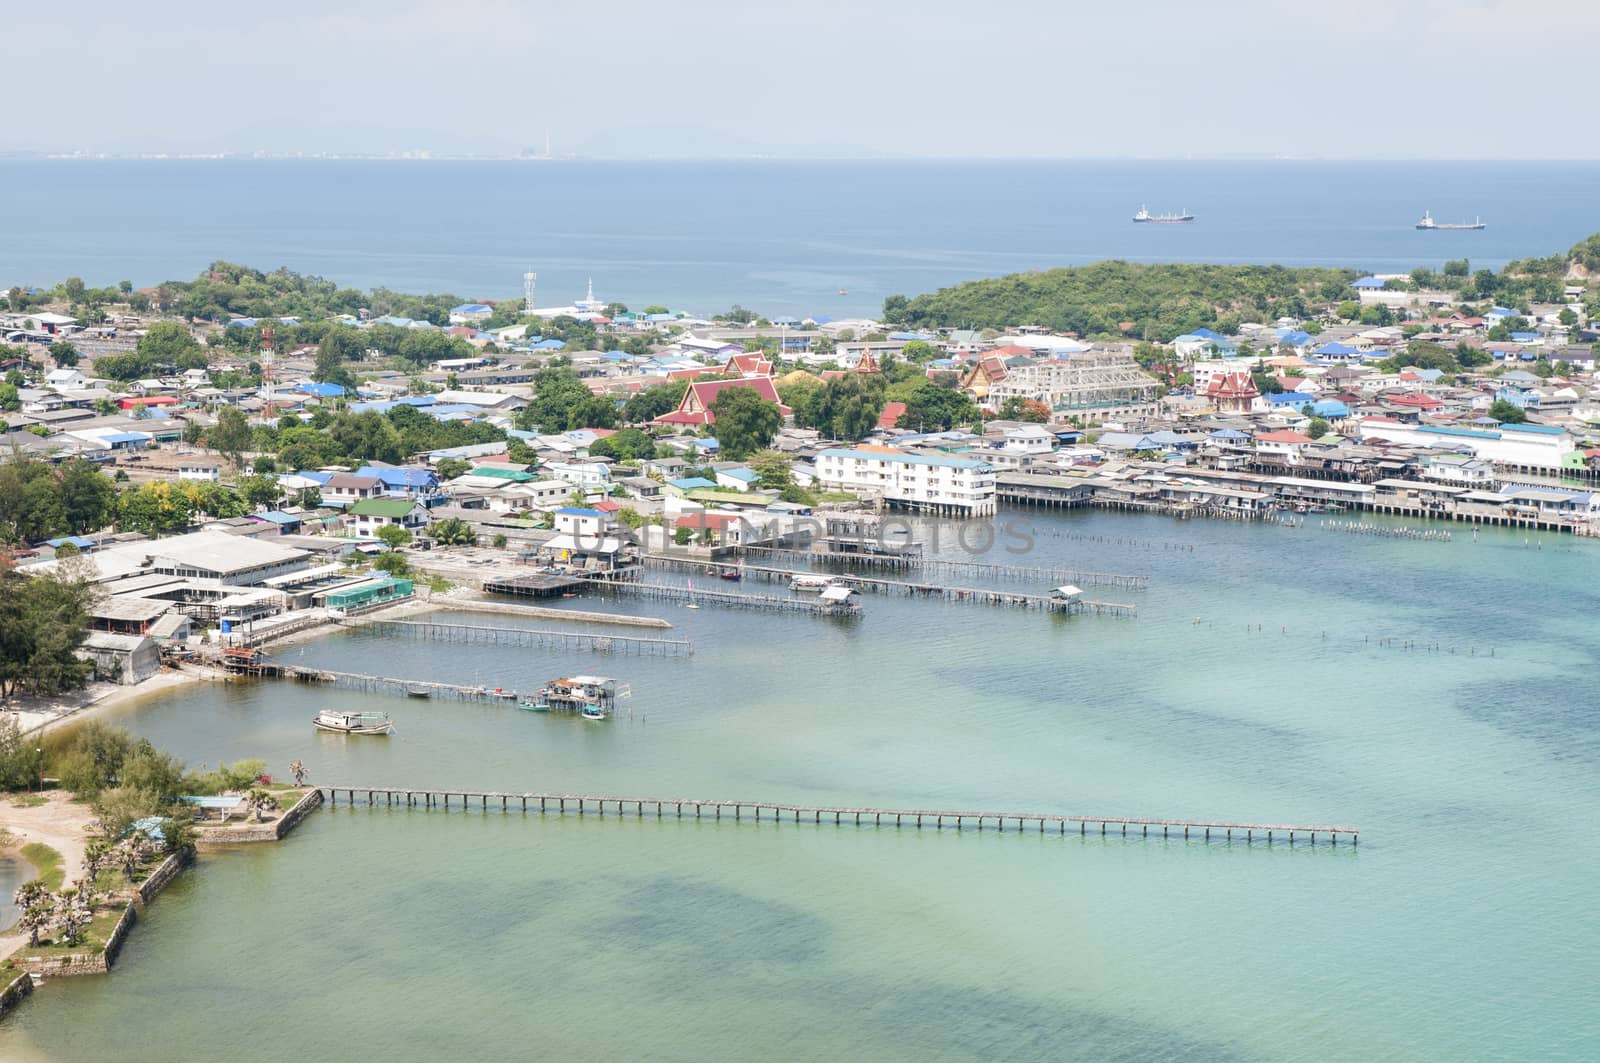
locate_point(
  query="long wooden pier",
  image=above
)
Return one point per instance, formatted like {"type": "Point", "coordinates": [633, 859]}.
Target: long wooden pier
{"type": "Point", "coordinates": [1020, 573]}
{"type": "Point", "coordinates": [382, 684]}
{"type": "Point", "coordinates": [696, 595]}
{"type": "Point", "coordinates": [977, 595]}
{"type": "Point", "coordinates": [526, 638]}
{"type": "Point", "coordinates": [837, 815]}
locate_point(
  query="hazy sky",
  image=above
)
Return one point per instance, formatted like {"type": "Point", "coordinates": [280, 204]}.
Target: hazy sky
{"type": "Point", "coordinates": [1360, 78]}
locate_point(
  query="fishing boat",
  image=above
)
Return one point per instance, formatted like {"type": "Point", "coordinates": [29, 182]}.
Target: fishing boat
{"type": "Point", "coordinates": [810, 584]}
{"type": "Point", "coordinates": [1427, 224]}
{"type": "Point", "coordinates": [1145, 217]}
{"type": "Point", "coordinates": [730, 573]}
{"type": "Point", "coordinates": [353, 723]}
{"type": "Point", "coordinates": [594, 697]}
{"type": "Point", "coordinates": [418, 692]}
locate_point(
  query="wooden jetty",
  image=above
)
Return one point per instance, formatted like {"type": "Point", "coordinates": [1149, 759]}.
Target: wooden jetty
{"type": "Point", "coordinates": [532, 585]}
{"type": "Point", "coordinates": [838, 815]}
{"type": "Point", "coordinates": [380, 684]}
{"type": "Point", "coordinates": [526, 638]}
{"type": "Point", "coordinates": [731, 599]}
{"type": "Point", "coordinates": [976, 595]}
{"type": "Point", "coordinates": [1021, 573]}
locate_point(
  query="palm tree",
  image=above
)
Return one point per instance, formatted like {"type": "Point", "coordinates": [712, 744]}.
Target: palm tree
{"type": "Point", "coordinates": [259, 801]}
{"type": "Point", "coordinates": [37, 906]}
{"type": "Point", "coordinates": [298, 770]}
{"type": "Point", "coordinates": [95, 854]}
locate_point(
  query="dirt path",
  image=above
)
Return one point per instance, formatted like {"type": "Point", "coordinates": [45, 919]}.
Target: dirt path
{"type": "Point", "coordinates": [59, 823]}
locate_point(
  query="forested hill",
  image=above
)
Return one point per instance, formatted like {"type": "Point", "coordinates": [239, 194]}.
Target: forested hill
{"type": "Point", "coordinates": [1161, 300]}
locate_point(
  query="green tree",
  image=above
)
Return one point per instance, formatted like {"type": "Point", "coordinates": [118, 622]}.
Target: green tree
{"type": "Point", "coordinates": [10, 398]}
{"type": "Point", "coordinates": [1507, 412]}
{"type": "Point", "coordinates": [1318, 427]}
{"type": "Point", "coordinates": [368, 436]}
{"type": "Point", "coordinates": [931, 408]}
{"type": "Point", "coordinates": [394, 564]}
{"type": "Point", "coordinates": [556, 392]}
{"type": "Point", "coordinates": [88, 497]}
{"type": "Point", "coordinates": [774, 467]}
{"type": "Point", "coordinates": [169, 343]}
{"type": "Point", "coordinates": [43, 621]}
{"type": "Point", "coordinates": [260, 491]}
{"type": "Point", "coordinates": [593, 411]}
{"type": "Point", "coordinates": [393, 536]}
{"type": "Point", "coordinates": [64, 354]}
{"type": "Point", "coordinates": [340, 345]}
{"type": "Point", "coordinates": [230, 436]}
{"type": "Point", "coordinates": [450, 468]}
{"type": "Point", "coordinates": [453, 532]}
{"type": "Point", "coordinates": [20, 755]}
{"type": "Point", "coordinates": [628, 444]}
{"type": "Point", "coordinates": [745, 422]}
{"type": "Point", "coordinates": [653, 401]}
{"type": "Point", "coordinates": [155, 508]}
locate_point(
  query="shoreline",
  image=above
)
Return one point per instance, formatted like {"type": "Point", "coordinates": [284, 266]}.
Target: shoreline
{"type": "Point", "coordinates": [40, 717]}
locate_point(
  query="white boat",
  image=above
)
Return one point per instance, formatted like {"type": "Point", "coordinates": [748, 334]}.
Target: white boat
{"type": "Point", "coordinates": [810, 584]}
{"type": "Point", "coordinates": [353, 723]}
{"type": "Point", "coordinates": [593, 712]}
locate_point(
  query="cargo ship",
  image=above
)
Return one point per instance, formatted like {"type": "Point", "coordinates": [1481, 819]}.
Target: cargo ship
{"type": "Point", "coordinates": [1179, 218]}
{"type": "Point", "coordinates": [1427, 222]}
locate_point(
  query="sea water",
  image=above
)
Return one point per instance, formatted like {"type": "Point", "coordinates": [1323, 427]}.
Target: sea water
{"type": "Point", "coordinates": [1435, 694]}
{"type": "Point", "coordinates": [799, 238]}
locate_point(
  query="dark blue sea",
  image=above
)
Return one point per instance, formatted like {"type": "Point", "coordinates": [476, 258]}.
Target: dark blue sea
{"type": "Point", "coordinates": [781, 237]}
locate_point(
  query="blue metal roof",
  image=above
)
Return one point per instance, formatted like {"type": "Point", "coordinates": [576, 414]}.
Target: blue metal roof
{"type": "Point", "coordinates": [73, 540]}
{"type": "Point", "coordinates": [321, 390]}
{"type": "Point", "coordinates": [114, 438]}
{"type": "Point", "coordinates": [1290, 398]}
{"type": "Point", "coordinates": [1368, 283]}
{"type": "Point", "coordinates": [273, 516]}
{"type": "Point", "coordinates": [1335, 348]}
{"type": "Point", "coordinates": [747, 475]}
{"type": "Point", "coordinates": [400, 477]}
{"type": "Point", "coordinates": [690, 483]}
{"type": "Point", "coordinates": [1537, 429]}
{"type": "Point", "coordinates": [578, 511]}
{"type": "Point", "coordinates": [470, 308]}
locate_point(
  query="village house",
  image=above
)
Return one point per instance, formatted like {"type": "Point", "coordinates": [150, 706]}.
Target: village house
{"type": "Point", "coordinates": [347, 487]}
{"type": "Point", "coordinates": [370, 514]}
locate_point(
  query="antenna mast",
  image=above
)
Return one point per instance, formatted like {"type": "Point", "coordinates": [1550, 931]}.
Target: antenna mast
{"type": "Point", "coordinates": [268, 350]}
{"type": "Point", "coordinates": [527, 292]}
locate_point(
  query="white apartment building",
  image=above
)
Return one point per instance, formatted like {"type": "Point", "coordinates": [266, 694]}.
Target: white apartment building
{"type": "Point", "coordinates": [953, 486]}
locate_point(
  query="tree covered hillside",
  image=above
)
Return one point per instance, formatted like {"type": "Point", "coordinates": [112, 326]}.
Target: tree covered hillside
{"type": "Point", "coordinates": [1161, 300]}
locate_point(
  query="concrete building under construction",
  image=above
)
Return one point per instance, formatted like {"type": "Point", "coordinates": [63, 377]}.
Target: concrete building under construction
{"type": "Point", "coordinates": [1094, 387]}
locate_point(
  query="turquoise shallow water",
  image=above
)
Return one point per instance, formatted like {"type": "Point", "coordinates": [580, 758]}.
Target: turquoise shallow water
{"type": "Point", "coordinates": [1257, 683]}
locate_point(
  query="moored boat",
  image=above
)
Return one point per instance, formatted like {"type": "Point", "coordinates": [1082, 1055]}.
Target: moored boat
{"type": "Point", "coordinates": [418, 692]}
{"type": "Point", "coordinates": [353, 723]}
{"type": "Point", "coordinates": [591, 696]}
{"type": "Point", "coordinates": [810, 584]}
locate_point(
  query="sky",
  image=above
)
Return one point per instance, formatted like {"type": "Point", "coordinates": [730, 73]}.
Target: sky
{"type": "Point", "coordinates": [823, 78]}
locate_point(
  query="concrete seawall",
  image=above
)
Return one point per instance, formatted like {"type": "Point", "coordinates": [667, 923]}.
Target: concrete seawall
{"type": "Point", "coordinates": [249, 834]}
{"type": "Point", "coordinates": [80, 963]}
{"type": "Point", "coordinates": [165, 873]}
{"type": "Point", "coordinates": [21, 985]}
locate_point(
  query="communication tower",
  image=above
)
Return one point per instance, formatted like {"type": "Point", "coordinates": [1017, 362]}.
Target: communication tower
{"type": "Point", "coordinates": [527, 291]}
{"type": "Point", "coordinates": [268, 350]}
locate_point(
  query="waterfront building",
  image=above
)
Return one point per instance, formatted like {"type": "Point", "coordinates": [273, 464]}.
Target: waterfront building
{"type": "Point", "coordinates": [920, 482]}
